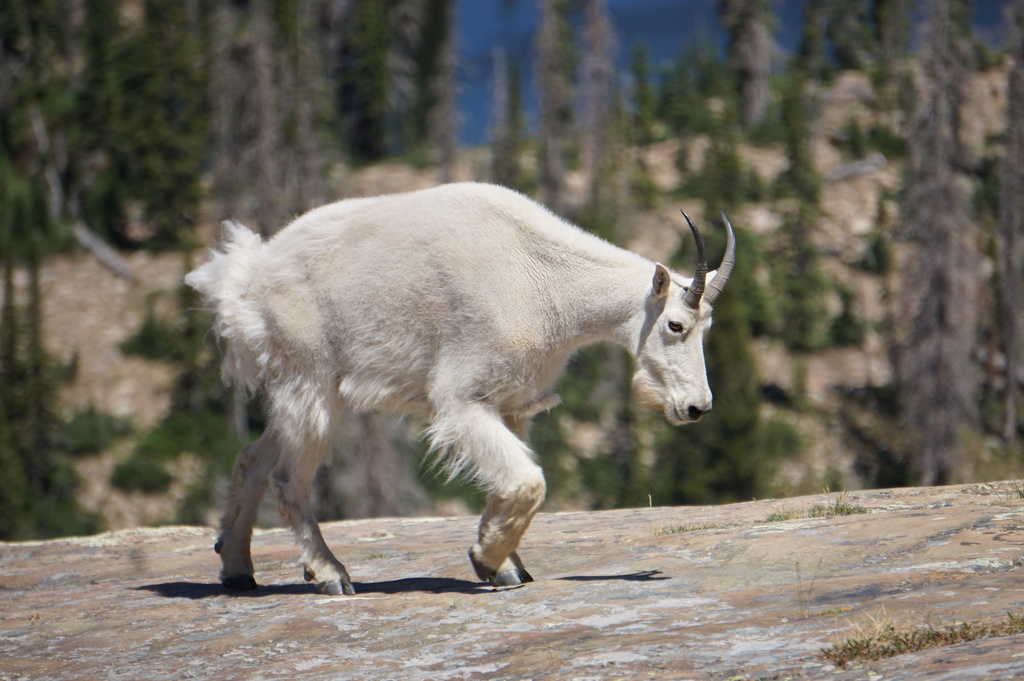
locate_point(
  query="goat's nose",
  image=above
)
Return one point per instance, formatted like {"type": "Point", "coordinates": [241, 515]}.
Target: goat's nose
{"type": "Point", "coordinates": [696, 412]}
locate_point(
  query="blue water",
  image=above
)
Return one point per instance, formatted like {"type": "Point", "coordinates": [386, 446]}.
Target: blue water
{"type": "Point", "coordinates": [666, 27]}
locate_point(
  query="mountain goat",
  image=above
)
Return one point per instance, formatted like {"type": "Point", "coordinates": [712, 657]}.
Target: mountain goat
{"type": "Point", "coordinates": [461, 304]}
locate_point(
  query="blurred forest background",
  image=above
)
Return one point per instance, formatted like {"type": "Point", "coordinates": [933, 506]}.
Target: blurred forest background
{"type": "Point", "coordinates": [874, 169]}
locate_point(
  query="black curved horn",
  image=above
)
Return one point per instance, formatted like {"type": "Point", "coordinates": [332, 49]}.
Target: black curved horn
{"type": "Point", "coordinates": [725, 269]}
{"type": "Point", "coordinates": [696, 289]}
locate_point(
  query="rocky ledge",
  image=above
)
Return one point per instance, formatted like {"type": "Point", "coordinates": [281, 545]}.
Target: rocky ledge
{"type": "Point", "coordinates": [752, 590]}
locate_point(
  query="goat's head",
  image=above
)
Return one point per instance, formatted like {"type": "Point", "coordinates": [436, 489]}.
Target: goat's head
{"type": "Point", "coordinates": [670, 373]}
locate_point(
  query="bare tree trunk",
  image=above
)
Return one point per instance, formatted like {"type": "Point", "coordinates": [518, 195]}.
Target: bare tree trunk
{"type": "Point", "coordinates": [939, 289]}
{"type": "Point", "coordinates": [554, 73]}
{"type": "Point", "coordinates": [598, 72]}
{"type": "Point", "coordinates": [445, 126]}
{"type": "Point", "coordinates": [892, 20]}
{"type": "Point", "coordinates": [222, 97]}
{"type": "Point", "coordinates": [266, 120]}
{"type": "Point", "coordinates": [502, 167]}
{"type": "Point", "coordinates": [407, 18]}
{"type": "Point", "coordinates": [374, 478]}
{"type": "Point", "coordinates": [751, 48]}
{"type": "Point", "coordinates": [756, 58]}
{"type": "Point", "coordinates": [310, 191]}
{"type": "Point", "coordinates": [1011, 220]}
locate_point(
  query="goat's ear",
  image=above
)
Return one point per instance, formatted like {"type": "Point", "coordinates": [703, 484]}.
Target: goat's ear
{"type": "Point", "coordinates": [661, 282]}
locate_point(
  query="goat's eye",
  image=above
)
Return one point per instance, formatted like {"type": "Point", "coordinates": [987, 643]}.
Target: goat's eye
{"type": "Point", "coordinates": [675, 327]}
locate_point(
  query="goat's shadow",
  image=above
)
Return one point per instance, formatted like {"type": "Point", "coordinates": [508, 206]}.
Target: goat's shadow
{"type": "Point", "coordinates": [199, 590]}
{"type": "Point", "coordinates": [643, 576]}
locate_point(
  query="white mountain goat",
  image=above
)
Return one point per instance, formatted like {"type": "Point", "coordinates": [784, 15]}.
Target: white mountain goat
{"type": "Point", "coordinates": [461, 304]}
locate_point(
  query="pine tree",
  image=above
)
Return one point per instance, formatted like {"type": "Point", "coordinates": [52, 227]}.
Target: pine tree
{"type": "Point", "coordinates": [444, 116]}
{"type": "Point", "coordinates": [892, 22]}
{"type": "Point", "coordinates": [38, 485]}
{"type": "Point", "coordinates": [103, 103]}
{"type": "Point", "coordinates": [849, 34]}
{"type": "Point", "coordinates": [166, 123]}
{"type": "Point", "coordinates": [13, 483]}
{"type": "Point", "coordinates": [643, 99]}
{"type": "Point", "coordinates": [721, 458]}
{"type": "Point", "coordinates": [367, 79]}
{"type": "Point", "coordinates": [508, 130]}
{"type": "Point", "coordinates": [812, 56]}
{"type": "Point", "coordinates": [800, 179]}
{"type": "Point", "coordinates": [801, 284]}
{"type": "Point", "coordinates": [433, 71]}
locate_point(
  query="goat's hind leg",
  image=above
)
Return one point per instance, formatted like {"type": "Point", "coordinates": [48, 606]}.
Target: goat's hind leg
{"type": "Point", "coordinates": [293, 480]}
{"type": "Point", "coordinates": [248, 484]}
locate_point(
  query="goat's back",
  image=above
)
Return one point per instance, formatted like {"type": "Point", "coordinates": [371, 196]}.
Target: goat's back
{"type": "Point", "coordinates": [369, 294]}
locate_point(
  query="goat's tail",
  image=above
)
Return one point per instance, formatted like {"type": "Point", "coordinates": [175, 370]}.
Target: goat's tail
{"type": "Point", "coordinates": [223, 283]}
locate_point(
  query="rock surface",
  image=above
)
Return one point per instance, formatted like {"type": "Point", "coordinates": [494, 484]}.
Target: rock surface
{"type": "Point", "coordinates": [692, 592]}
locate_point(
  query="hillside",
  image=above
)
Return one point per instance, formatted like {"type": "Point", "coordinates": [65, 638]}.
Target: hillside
{"type": "Point", "coordinates": [89, 311]}
{"type": "Point", "coordinates": [736, 591]}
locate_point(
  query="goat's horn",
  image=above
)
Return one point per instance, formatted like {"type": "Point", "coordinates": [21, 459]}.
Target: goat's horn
{"type": "Point", "coordinates": [725, 269]}
{"type": "Point", "coordinates": [693, 294]}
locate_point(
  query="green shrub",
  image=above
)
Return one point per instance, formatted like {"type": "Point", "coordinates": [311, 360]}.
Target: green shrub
{"type": "Point", "coordinates": [877, 256]}
{"type": "Point", "coordinates": [155, 339]}
{"type": "Point", "coordinates": [91, 432]}
{"type": "Point", "coordinates": [141, 474]}
{"type": "Point", "coordinates": [891, 145]}
{"type": "Point", "coordinates": [854, 143]}
{"type": "Point", "coordinates": [847, 329]}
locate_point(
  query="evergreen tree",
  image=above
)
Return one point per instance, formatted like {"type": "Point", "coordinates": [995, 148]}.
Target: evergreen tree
{"type": "Point", "coordinates": [812, 56]}
{"type": "Point", "coordinates": [722, 458]}
{"type": "Point", "coordinates": [366, 79]}
{"type": "Point", "coordinates": [892, 21]}
{"type": "Point", "coordinates": [103, 102]}
{"type": "Point", "coordinates": [166, 123]}
{"type": "Point", "coordinates": [430, 70]}
{"type": "Point", "coordinates": [643, 98]}
{"type": "Point", "coordinates": [444, 116]}
{"type": "Point", "coordinates": [508, 131]}
{"type": "Point", "coordinates": [37, 481]}
{"type": "Point", "coordinates": [801, 284]}
{"type": "Point", "coordinates": [849, 33]}
{"type": "Point", "coordinates": [800, 178]}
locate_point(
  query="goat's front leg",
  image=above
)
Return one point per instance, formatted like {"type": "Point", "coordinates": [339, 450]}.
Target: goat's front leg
{"type": "Point", "coordinates": [482, 443]}
{"type": "Point", "coordinates": [248, 484]}
{"type": "Point", "coordinates": [292, 482]}
{"type": "Point", "coordinates": [502, 527]}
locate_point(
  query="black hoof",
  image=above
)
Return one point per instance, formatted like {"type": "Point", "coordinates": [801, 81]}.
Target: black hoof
{"type": "Point", "coordinates": [239, 583]}
{"type": "Point", "coordinates": [511, 575]}
{"type": "Point", "coordinates": [336, 587]}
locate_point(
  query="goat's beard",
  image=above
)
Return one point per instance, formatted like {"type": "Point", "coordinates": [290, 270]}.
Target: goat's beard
{"type": "Point", "coordinates": [648, 396]}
